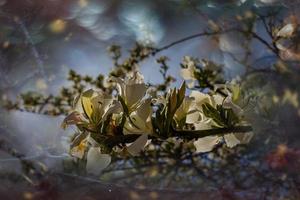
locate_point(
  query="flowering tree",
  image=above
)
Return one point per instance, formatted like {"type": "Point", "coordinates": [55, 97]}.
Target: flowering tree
{"type": "Point", "coordinates": [200, 128]}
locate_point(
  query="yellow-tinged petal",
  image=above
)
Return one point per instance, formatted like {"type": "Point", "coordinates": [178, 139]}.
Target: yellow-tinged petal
{"type": "Point", "coordinates": [96, 161]}
{"type": "Point", "coordinates": [79, 150]}
{"type": "Point", "coordinates": [144, 110]}
{"type": "Point", "coordinates": [87, 103]}
{"type": "Point", "coordinates": [183, 109]}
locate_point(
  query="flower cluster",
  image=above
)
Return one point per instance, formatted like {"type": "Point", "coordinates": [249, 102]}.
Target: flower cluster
{"type": "Point", "coordinates": [129, 119]}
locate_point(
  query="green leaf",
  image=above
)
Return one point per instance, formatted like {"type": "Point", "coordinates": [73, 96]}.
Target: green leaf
{"type": "Point", "coordinates": [224, 117]}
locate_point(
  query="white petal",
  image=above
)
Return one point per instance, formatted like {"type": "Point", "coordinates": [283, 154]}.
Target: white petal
{"type": "Point", "coordinates": [138, 145]}
{"type": "Point", "coordinates": [193, 117]}
{"type": "Point", "coordinates": [231, 140]}
{"type": "Point", "coordinates": [144, 110]}
{"type": "Point", "coordinates": [77, 152]}
{"type": "Point", "coordinates": [235, 108]}
{"type": "Point", "coordinates": [114, 107]}
{"type": "Point", "coordinates": [187, 74]}
{"type": "Point", "coordinates": [137, 78]}
{"type": "Point", "coordinates": [96, 161]}
{"type": "Point", "coordinates": [200, 98]}
{"type": "Point", "coordinates": [140, 120]}
{"type": "Point", "coordinates": [203, 125]}
{"type": "Point", "coordinates": [286, 31]}
{"type": "Point", "coordinates": [71, 119]}
{"type": "Point", "coordinates": [120, 85]}
{"type": "Point", "coordinates": [184, 108]}
{"type": "Point", "coordinates": [245, 137]}
{"type": "Point", "coordinates": [217, 99]}
{"type": "Point", "coordinates": [191, 84]}
{"type": "Point", "coordinates": [134, 93]}
{"type": "Point", "coordinates": [206, 144]}
{"type": "Point", "coordinates": [137, 126]}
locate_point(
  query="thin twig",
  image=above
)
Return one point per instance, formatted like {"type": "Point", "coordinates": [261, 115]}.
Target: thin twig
{"type": "Point", "coordinates": [156, 50]}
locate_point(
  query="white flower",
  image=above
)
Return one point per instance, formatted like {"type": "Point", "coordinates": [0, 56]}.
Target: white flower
{"type": "Point", "coordinates": [139, 123]}
{"type": "Point", "coordinates": [286, 42]}
{"type": "Point", "coordinates": [96, 161]}
{"type": "Point", "coordinates": [201, 122]}
{"type": "Point", "coordinates": [140, 119]}
{"type": "Point", "coordinates": [98, 105]}
{"type": "Point", "coordinates": [79, 150]}
{"type": "Point", "coordinates": [287, 31]}
{"type": "Point", "coordinates": [188, 73]}
{"type": "Point", "coordinates": [196, 115]}
{"type": "Point", "coordinates": [132, 90]}
{"type": "Point", "coordinates": [184, 109]}
{"type": "Point", "coordinates": [93, 107]}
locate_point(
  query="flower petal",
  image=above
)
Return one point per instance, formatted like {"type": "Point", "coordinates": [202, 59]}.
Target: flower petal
{"type": "Point", "coordinates": [193, 117]}
{"type": "Point", "coordinates": [286, 31]}
{"type": "Point", "coordinates": [217, 99]}
{"type": "Point", "coordinates": [134, 93]}
{"type": "Point", "coordinates": [187, 74]}
{"type": "Point", "coordinates": [87, 103]}
{"type": "Point", "coordinates": [183, 109]}
{"type": "Point", "coordinates": [79, 150]}
{"type": "Point", "coordinates": [206, 144]}
{"type": "Point", "coordinates": [237, 138]}
{"type": "Point", "coordinates": [140, 119]}
{"type": "Point", "coordinates": [200, 98]}
{"type": "Point", "coordinates": [138, 145]}
{"type": "Point", "coordinates": [71, 119]}
{"type": "Point", "coordinates": [96, 161]}
{"type": "Point", "coordinates": [136, 78]}
{"type": "Point", "coordinates": [144, 110]}
{"type": "Point", "coordinates": [231, 140]}
{"type": "Point", "coordinates": [203, 125]}
{"type": "Point", "coordinates": [235, 108]}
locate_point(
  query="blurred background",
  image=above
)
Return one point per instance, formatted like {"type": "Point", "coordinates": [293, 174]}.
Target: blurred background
{"type": "Point", "coordinates": [40, 41]}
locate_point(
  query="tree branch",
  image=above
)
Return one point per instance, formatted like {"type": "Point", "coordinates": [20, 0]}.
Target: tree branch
{"type": "Point", "coordinates": [156, 50]}
{"type": "Point", "coordinates": [187, 134]}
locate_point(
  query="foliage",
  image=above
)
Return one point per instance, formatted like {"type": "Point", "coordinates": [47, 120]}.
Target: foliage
{"type": "Point", "coordinates": [191, 129]}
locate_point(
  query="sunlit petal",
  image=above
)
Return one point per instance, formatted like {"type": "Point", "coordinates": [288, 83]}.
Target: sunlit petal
{"type": "Point", "coordinates": [231, 140]}
{"type": "Point", "coordinates": [206, 144]}
{"type": "Point", "coordinates": [71, 119]}
{"type": "Point", "coordinates": [138, 145]}
{"type": "Point", "coordinates": [134, 93]}
{"type": "Point", "coordinates": [286, 31]}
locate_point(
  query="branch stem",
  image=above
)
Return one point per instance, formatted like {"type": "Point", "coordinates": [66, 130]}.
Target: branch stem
{"type": "Point", "coordinates": [184, 134]}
